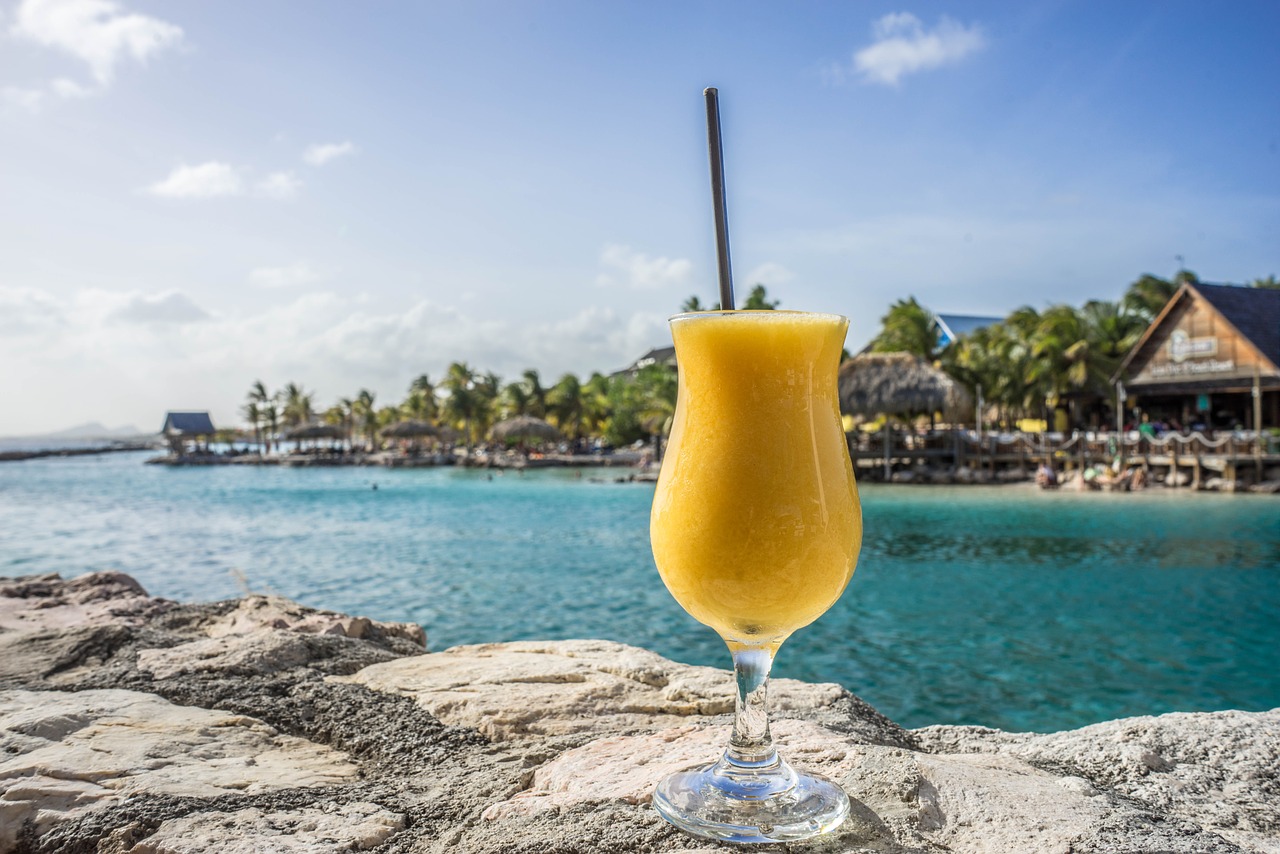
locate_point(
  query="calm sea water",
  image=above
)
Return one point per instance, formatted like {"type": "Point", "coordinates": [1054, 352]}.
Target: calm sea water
{"type": "Point", "coordinates": [1006, 607]}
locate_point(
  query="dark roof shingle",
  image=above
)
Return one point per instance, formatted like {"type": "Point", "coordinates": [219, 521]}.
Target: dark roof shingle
{"type": "Point", "coordinates": [188, 423]}
{"type": "Point", "coordinates": [1254, 311]}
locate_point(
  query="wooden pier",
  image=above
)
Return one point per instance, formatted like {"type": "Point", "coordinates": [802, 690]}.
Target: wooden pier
{"type": "Point", "coordinates": [1227, 461]}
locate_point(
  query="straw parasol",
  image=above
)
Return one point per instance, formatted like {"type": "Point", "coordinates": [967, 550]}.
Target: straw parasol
{"type": "Point", "coordinates": [410, 430]}
{"type": "Point", "coordinates": [316, 431]}
{"type": "Point", "coordinates": [896, 384]}
{"type": "Point", "coordinates": [524, 428]}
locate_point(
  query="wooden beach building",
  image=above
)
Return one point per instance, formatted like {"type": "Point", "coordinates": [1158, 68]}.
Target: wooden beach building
{"type": "Point", "coordinates": [1209, 361]}
{"type": "Point", "coordinates": [187, 432]}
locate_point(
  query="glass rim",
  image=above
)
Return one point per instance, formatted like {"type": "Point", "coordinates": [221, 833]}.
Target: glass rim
{"type": "Point", "coordinates": [729, 313]}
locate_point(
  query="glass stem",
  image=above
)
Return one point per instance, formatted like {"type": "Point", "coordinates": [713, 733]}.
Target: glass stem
{"type": "Point", "coordinates": [751, 743]}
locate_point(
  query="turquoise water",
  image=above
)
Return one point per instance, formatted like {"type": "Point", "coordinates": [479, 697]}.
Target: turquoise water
{"type": "Point", "coordinates": [1006, 607]}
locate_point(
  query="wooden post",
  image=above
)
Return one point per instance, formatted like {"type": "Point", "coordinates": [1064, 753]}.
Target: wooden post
{"type": "Point", "coordinates": [888, 439]}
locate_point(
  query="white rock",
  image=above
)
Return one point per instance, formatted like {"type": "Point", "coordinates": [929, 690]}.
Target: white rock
{"type": "Point", "coordinates": [259, 651]}
{"type": "Point", "coordinates": [275, 612]}
{"type": "Point", "coordinates": [531, 688]}
{"type": "Point", "coordinates": [64, 753]}
{"type": "Point", "coordinates": [44, 602]}
{"type": "Point", "coordinates": [627, 768]}
{"type": "Point", "coordinates": [335, 828]}
{"type": "Point", "coordinates": [1218, 769]}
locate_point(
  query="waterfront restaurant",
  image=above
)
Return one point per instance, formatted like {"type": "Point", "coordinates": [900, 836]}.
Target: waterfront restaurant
{"type": "Point", "coordinates": [1208, 361]}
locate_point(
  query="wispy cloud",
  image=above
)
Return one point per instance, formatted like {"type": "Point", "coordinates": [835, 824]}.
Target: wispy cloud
{"type": "Point", "coordinates": [164, 308]}
{"type": "Point", "coordinates": [26, 97]}
{"type": "Point", "coordinates": [902, 45]}
{"type": "Point", "coordinates": [32, 98]}
{"type": "Point", "coordinates": [280, 185]}
{"type": "Point", "coordinates": [64, 87]}
{"type": "Point", "coordinates": [769, 273]}
{"type": "Point", "coordinates": [631, 269]}
{"type": "Point", "coordinates": [215, 180]}
{"type": "Point", "coordinates": [205, 181]}
{"type": "Point", "coordinates": [291, 275]}
{"type": "Point", "coordinates": [335, 344]}
{"type": "Point", "coordinates": [322, 153]}
{"type": "Point", "coordinates": [99, 32]}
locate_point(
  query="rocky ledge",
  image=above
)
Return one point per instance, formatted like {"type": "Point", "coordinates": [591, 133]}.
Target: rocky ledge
{"type": "Point", "coordinates": [135, 725]}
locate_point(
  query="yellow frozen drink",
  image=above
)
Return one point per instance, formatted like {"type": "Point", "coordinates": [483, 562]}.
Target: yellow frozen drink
{"type": "Point", "coordinates": [756, 524]}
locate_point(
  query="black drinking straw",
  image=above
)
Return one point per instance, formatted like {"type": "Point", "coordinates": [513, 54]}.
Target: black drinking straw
{"type": "Point", "coordinates": [717, 196]}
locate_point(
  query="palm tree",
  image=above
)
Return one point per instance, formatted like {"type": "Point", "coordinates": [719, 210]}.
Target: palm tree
{"type": "Point", "coordinates": [254, 416]}
{"type": "Point", "coordinates": [658, 386]}
{"type": "Point", "coordinates": [567, 406]}
{"type": "Point", "coordinates": [271, 415]}
{"type": "Point", "coordinates": [693, 304]}
{"type": "Point", "coordinates": [348, 407]}
{"type": "Point", "coordinates": [758, 300]}
{"type": "Point", "coordinates": [597, 404]}
{"type": "Point", "coordinates": [537, 395]}
{"type": "Point", "coordinates": [1061, 350]}
{"type": "Point", "coordinates": [514, 400]}
{"type": "Point", "coordinates": [366, 415]}
{"type": "Point", "coordinates": [908, 328]}
{"type": "Point", "coordinates": [297, 405]}
{"type": "Point", "coordinates": [420, 406]}
{"type": "Point", "coordinates": [339, 415]}
{"type": "Point", "coordinates": [488, 387]}
{"type": "Point", "coordinates": [256, 409]}
{"type": "Point", "coordinates": [1112, 332]}
{"type": "Point", "coordinates": [1149, 294]}
{"type": "Point", "coordinates": [460, 406]}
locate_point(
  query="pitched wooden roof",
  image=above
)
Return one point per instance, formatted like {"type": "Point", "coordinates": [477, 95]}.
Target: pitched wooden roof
{"type": "Point", "coordinates": [1249, 317]}
{"type": "Point", "coordinates": [1253, 311]}
{"type": "Point", "coordinates": [188, 424]}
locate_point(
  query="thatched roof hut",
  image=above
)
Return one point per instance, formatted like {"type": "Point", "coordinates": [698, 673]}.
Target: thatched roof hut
{"type": "Point", "coordinates": [896, 384]}
{"type": "Point", "coordinates": [316, 431]}
{"type": "Point", "coordinates": [410, 430]}
{"type": "Point", "coordinates": [524, 428]}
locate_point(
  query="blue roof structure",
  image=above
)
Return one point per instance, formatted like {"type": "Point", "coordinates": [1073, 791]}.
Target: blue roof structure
{"type": "Point", "coordinates": [188, 424]}
{"type": "Point", "coordinates": [952, 326]}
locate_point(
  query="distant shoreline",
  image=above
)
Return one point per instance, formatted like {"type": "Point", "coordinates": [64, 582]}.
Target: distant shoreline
{"type": "Point", "coordinates": [19, 456]}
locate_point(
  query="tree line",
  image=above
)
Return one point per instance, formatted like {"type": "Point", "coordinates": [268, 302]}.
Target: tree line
{"type": "Point", "coordinates": [1031, 364]}
{"type": "Point", "coordinates": [1038, 364]}
{"type": "Point", "coordinates": [618, 409]}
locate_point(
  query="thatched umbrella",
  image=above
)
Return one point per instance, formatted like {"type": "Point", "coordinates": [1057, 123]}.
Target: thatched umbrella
{"type": "Point", "coordinates": [896, 384]}
{"type": "Point", "coordinates": [316, 431]}
{"type": "Point", "coordinates": [410, 430]}
{"type": "Point", "coordinates": [524, 428]}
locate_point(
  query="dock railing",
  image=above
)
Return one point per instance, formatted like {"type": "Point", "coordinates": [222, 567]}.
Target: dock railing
{"type": "Point", "coordinates": [963, 447]}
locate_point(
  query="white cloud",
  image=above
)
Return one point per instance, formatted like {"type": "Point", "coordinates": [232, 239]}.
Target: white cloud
{"type": "Point", "coordinates": [94, 341]}
{"type": "Point", "coordinates": [24, 97]}
{"type": "Point", "coordinates": [322, 153]}
{"type": "Point", "coordinates": [903, 46]}
{"type": "Point", "coordinates": [769, 273]}
{"type": "Point", "coordinates": [626, 268]}
{"type": "Point", "coordinates": [167, 307]}
{"type": "Point", "coordinates": [292, 275]}
{"type": "Point", "coordinates": [280, 185]}
{"type": "Point", "coordinates": [99, 32]}
{"type": "Point", "coordinates": [206, 181]}
{"type": "Point", "coordinates": [65, 87]}
{"type": "Point", "coordinates": [25, 311]}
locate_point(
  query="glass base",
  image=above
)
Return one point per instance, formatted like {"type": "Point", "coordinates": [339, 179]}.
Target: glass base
{"type": "Point", "coordinates": [737, 801]}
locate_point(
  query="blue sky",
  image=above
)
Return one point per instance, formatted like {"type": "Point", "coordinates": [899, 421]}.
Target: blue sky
{"type": "Point", "coordinates": [194, 195]}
